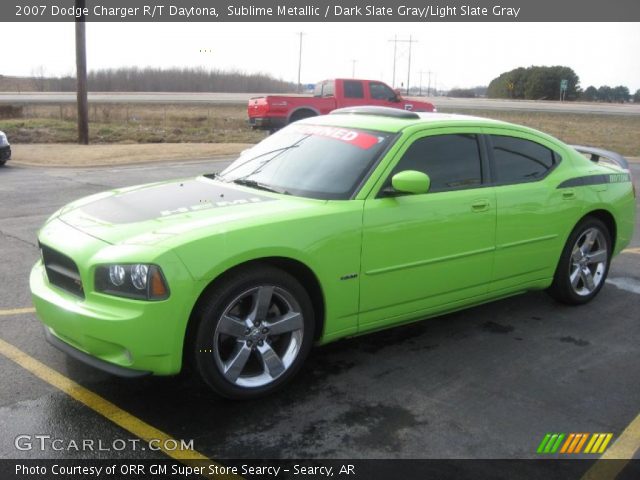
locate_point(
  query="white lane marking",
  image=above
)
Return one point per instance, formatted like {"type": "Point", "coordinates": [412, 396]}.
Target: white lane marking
{"type": "Point", "coordinates": [625, 283]}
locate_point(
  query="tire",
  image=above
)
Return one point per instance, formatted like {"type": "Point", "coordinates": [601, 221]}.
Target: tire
{"type": "Point", "coordinates": [2, 162]}
{"type": "Point", "coordinates": [301, 114]}
{"type": "Point", "coordinates": [584, 263]}
{"type": "Point", "coordinates": [255, 330]}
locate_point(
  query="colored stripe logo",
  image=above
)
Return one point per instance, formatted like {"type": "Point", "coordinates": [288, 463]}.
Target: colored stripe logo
{"type": "Point", "coordinates": [574, 443]}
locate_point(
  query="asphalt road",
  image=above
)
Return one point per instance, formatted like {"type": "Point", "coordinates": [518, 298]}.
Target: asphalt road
{"type": "Point", "coordinates": [488, 382]}
{"type": "Point", "coordinates": [442, 103]}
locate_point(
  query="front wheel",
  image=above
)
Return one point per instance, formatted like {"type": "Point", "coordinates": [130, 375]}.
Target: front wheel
{"type": "Point", "coordinates": [255, 332]}
{"type": "Point", "coordinates": [584, 263]}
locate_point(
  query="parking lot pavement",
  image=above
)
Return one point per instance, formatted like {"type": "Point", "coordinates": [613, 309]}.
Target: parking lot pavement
{"type": "Point", "coordinates": [487, 382]}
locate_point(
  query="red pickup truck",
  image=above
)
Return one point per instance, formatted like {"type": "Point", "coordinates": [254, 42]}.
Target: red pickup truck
{"type": "Point", "coordinates": [275, 111]}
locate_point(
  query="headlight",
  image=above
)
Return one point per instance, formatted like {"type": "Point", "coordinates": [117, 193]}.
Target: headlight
{"type": "Point", "coordinates": [3, 139]}
{"type": "Point", "coordinates": [139, 281]}
{"type": "Point", "coordinates": [117, 275]}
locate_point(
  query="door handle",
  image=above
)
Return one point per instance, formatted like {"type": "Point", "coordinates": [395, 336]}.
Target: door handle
{"type": "Point", "coordinates": [568, 194]}
{"type": "Point", "coordinates": [480, 205]}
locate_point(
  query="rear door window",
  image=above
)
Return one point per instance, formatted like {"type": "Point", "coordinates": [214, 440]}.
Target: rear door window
{"type": "Point", "coordinates": [518, 160]}
{"type": "Point", "coordinates": [353, 89]}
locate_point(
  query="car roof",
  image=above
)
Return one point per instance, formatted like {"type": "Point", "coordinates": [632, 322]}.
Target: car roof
{"type": "Point", "coordinates": [392, 123]}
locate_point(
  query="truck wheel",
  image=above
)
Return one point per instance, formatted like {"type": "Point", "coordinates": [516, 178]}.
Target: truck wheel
{"type": "Point", "coordinates": [300, 114]}
{"type": "Point", "coordinates": [255, 331]}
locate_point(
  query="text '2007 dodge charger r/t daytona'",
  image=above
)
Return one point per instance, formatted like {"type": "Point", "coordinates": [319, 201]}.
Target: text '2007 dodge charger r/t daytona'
{"type": "Point", "coordinates": [332, 227]}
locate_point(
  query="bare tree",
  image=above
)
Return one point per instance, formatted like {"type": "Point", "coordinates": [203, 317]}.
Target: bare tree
{"type": "Point", "coordinates": [39, 78]}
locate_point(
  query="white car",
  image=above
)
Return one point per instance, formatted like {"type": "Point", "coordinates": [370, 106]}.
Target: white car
{"type": "Point", "coordinates": [5, 149]}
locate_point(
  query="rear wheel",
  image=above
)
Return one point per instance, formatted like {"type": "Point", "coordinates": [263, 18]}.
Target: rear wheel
{"type": "Point", "coordinates": [300, 114]}
{"type": "Point", "coordinates": [254, 333]}
{"type": "Point", "coordinates": [584, 263]}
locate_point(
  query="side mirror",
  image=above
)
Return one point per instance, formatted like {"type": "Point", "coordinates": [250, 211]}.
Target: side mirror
{"type": "Point", "coordinates": [411, 181]}
{"type": "Point", "coordinates": [398, 95]}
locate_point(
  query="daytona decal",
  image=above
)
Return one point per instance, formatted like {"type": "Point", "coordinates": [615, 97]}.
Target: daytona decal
{"type": "Point", "coordinates": [596, 180]}
{"type": "Point", "coordinates": [352, 137]}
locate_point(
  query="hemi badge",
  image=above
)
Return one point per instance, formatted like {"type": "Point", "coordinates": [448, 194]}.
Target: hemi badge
{"type": "Point", "coordinates": [349, 276]}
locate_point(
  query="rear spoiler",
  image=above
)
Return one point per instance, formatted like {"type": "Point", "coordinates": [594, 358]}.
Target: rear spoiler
{"type": "Point", "coordinates": [597, 154]}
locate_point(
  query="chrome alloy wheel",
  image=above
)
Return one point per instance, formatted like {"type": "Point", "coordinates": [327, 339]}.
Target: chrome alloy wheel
{"type": "Point", "coordinates": [258, 336]}
{"type": "Point", "coordinates": [588, 264]}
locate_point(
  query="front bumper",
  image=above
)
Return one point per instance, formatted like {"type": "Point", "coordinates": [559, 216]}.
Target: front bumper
{"type": "Point", "coordinates": [5, 153]}
{"type": "Point", "coordinates": [267, 123]}
{"type": "Point", "coordinates": [108, 367]}
{"type": "Point", "coordinates": [133, 334]}
{"type": "Point", "coordinates": [123, 337]}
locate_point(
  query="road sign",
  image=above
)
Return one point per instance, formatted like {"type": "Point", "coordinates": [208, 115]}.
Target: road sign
{"type": "Point", "coordinates": [563, 88]}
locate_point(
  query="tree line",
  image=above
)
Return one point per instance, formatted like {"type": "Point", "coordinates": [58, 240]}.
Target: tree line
{"type": "Point", "coordinates": [479, 91]}
{"type": "Point", "coordinates": [133, 79]}
{"type": "Point", "coordinates": [605, 93]}
{"type": "Point", "coordinates": [543, 83]}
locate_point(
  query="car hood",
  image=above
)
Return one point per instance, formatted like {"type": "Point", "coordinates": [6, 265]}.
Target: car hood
{"type": "Point", "coordinates": [150, 214]}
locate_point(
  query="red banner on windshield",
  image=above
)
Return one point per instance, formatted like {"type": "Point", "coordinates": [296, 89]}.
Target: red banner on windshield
{"type": "Point", "coordinates": [352, 137]}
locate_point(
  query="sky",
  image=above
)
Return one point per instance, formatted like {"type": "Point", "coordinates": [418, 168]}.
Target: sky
{"type": "Point", "coordinates": [457, 54]}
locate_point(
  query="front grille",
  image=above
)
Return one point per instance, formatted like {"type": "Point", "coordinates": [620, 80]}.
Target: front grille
{"type": "Point", "coordinates": [62, 271]}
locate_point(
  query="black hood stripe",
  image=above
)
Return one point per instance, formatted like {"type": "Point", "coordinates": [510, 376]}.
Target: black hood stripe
{"type": "Point", "coordinates": [159, 201]}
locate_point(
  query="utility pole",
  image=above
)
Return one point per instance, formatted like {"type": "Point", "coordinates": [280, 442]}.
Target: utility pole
{"type": "Point", "coordinates": [429, 84]}
{"type": "Point", "coordinates": [353, 68]}
{"type": "Point", "coordinates": [395, 50]}
{"type": "Point", "coordinates": [81, 76]}
{"type": "Point", "coordinates": [409, 66]}
{"type": "Point", "coordinates": [300, 62]}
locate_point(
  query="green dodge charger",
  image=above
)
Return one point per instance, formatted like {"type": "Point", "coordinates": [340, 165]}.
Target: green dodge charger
{"type": "Point", "coordinates": [333, 227]}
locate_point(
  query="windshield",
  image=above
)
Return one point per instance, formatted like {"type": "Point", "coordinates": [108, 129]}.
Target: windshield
{"type": "Point", "coordinates": [309, 161]}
